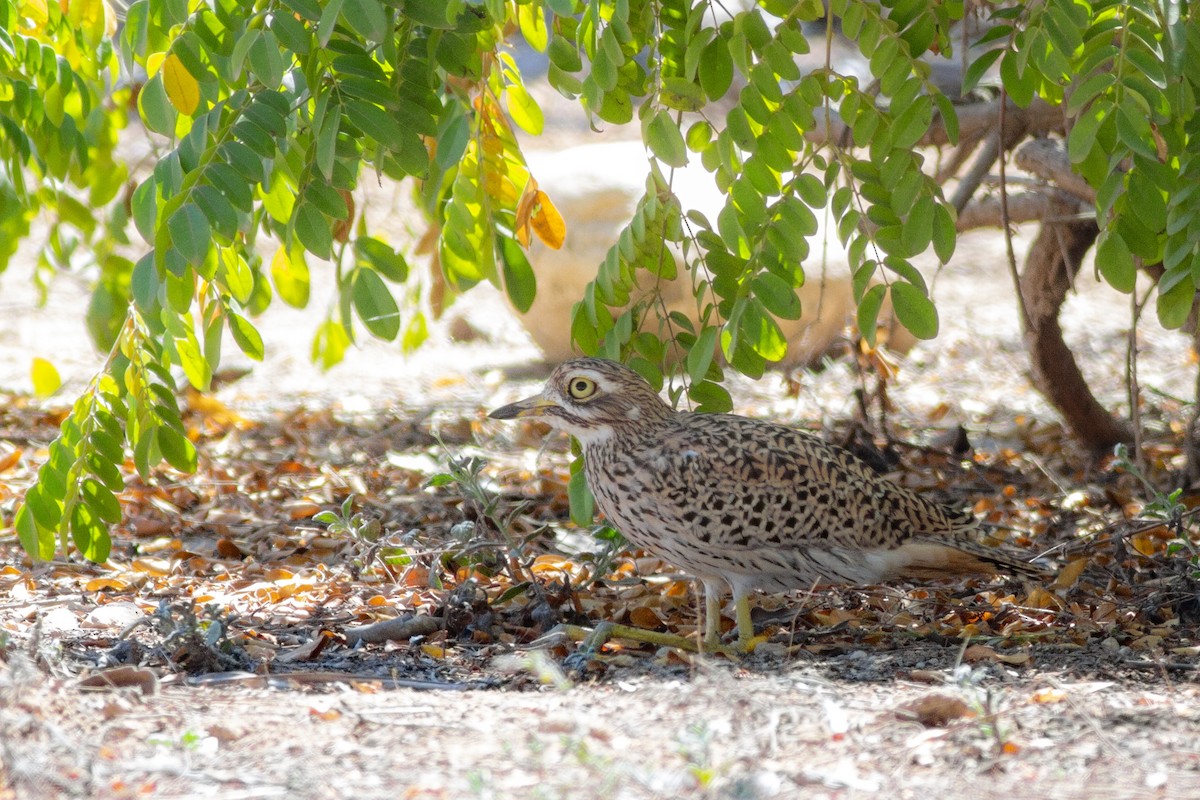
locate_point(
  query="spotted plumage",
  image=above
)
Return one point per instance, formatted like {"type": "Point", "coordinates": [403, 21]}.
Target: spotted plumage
{"type": "Point", "coordinates": [747, 503]}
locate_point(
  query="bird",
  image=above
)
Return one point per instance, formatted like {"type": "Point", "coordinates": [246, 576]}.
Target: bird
{"type": "Point", "coordinates": [747, 503]}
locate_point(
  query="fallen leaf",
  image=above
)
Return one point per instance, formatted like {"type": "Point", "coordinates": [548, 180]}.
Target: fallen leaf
{"type": "Point", "coordinates": [645, 617]}
{"type": "Point", "coordinates": [1049, 695]}
{"type": "Point", "coordinates": [981, 652]}
{"type": "Point", "coordinates": [935, 710]}
{"type": "Point", "coordinates": [122, 677]}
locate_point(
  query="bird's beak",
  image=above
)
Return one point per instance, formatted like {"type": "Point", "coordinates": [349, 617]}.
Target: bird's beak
{"type": "Point", "coordinates": [529, 407]}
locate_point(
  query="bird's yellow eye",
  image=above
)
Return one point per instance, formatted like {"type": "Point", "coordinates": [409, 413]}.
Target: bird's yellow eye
{"type": "Point", "coordinates": [581, 388]}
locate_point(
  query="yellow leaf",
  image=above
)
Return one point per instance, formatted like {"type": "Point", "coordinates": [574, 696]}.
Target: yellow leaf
{"type": "Point", "coordinates": [434, 650]}
{"type": "Point", "coordinates": [525, 212]}
{"type": "Point", "coordinates": [154, 63]}
{"type": "Point", "coordinates": [35, 10]}
{"type": "Point", "coordinates": [548, 223]}
{"type": "Point", "coordinates": [1049, 696]}
{"type": "Point", "coordinates": [45, 377]}
{"type": "Point", "coordinates": [183, 90]}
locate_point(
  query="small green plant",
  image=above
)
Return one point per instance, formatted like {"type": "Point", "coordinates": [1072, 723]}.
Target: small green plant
{"type": "Point", "coordinates": [367, 536]}
{"type": "Point", "coordinates": [1166, 509]}
{"type": "Point", "coordinates": [492, 515]}
{"type": "Point", "coordinates": [984, 702]}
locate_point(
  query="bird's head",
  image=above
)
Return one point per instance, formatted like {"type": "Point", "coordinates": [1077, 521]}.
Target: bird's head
{"type": "Point", "coordinates": [590, 398]}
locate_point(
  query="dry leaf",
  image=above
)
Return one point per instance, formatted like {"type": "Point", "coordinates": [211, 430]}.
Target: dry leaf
{"type": "Point", "coordinates": [1069, 575]}
{"type": "Point", "coordinates": [981, 652]}
{"type": "Point", "coordinates": [122, 677]}
{"type": "Point", "coordinates": [548, 223]}
{"type": "Point", "coordinates": [9, 460]}
{"type": "Point", "coordinates": [645, 617]}
{"type": "Point", "coordinates": [935, 710]}
{"type": "Point", "coordinates": [1050, 695]}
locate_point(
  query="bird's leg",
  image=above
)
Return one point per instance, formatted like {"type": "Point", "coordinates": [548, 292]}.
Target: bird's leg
{"type": "Point", "coordinates": [712, 615]}
{"type": "Point", "coordinates": [745, 626]}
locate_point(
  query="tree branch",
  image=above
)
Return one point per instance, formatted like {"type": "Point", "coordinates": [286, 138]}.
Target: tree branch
{"type": "Point", "coordinates": [1047, 159]}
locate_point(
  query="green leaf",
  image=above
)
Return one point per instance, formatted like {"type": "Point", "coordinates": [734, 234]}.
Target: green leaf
{"type": "Point", "coordinates": [700, 355]}
{"type": "Point", "coordinates": [415, 333]}
{"type": "Point", "coordinates": [532, 19]}
{"type": "Point", "coordinates": [564, 54]}
{"type": "Point", "coordinates": [101, 500]}
{"type": "Point", "coordinates": [246, 336]}
{"type": "Point", "coordinates": [666, 140]}
{"type": "Point", "coordinates": [776, 295]}
{"type": "Point", "coordinates": [915, 310]}
{"type": "Point", "coordinates": [329, 344]}
{"type": "Point", "coordinates": [918, 226]}
{"type": "Point", "coordinates": [698, 136]}
{"type": "Point", "coordinates": [978, 68]}
{"type": "Point", "coordinates": [1175, 305]}
{"type": "Point", "coordinates": [867, 318]}
{"type": "Point", "coordinates": [327, 144]}
{"type": "Point", "coordinates": [388, 262]}
{"type": "Point", "coordinates": [106, 470]}
{"type": "Point", "coordinates": [1115, 262]}
{"type": "Point", "coordinates": [945, 232]}
{"type": "Point", "coordinates": [154, 107]}
{"type": "Point", "coordinates": [290, 274]}
{"type": "Point", "coordinates": [375, 305]}
{"type": "Point", "coordinates": [176, 449]}
{"type": "Point", "coordinates": [312, 229]}
{"type": "Point", "coordinates": [219, 212]}
{"type": "Point", "coordinates": [367, 18]}
{"type": "Point", "coordinates": [712, 398]}
{"type": "Point", "coordinates": [90, 534]}
{"type": "Point", "coordinates": [1019, 84]}
{"type": "Point", "coordinates": [40, 498]}
{"type": "Point", "coordinates": [582, 504]}
{"type": "Point", "coordinates": [1082, 138]}
{"type": "Point", "coordinates": [39, 542]}
{"type": "Point", "coordinates": [329, 16]}
{"type": "Point", "coordinates": [235, 275]}
{"type": "Point", "coordinates": [912, 123]}
{"type": "Point", "coordinates": [193, 361]}
{"type": "Point", "coordinates": [519, 281]}
{"type": "Point", "coordinates": [716, 69]}
{"type": "Point", "coordinates": [524, 110]}
{"type": "Point", "coordinates": [190, 233]}
{"type": "Point", "coordinates": [374, 122]}
{"type": "Point", "coordinates": [266, 62]}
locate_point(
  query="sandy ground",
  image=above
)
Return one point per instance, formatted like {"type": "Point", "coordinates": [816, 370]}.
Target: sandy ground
{"type": "Point", "coordinates": [1068, 725]}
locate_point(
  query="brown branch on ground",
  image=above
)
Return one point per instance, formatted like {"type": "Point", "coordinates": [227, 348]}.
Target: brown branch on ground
{"type": "Point", "coordinates": [392, 630]}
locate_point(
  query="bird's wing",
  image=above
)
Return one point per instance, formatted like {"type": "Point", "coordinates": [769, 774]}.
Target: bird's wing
{"type": "Point", "coordinates": [747, 484]}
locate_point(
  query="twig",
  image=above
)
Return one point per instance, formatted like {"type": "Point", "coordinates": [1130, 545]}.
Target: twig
{"type": "Point", "coordinates": [983, 165]}
{"type": "Point", "coordinates": [1192, 467]}
{"type": "Point", "coordinates": [1005, 222]}
{"type": "Point", "coordinates": [1177, 666]}
{"type": "Point", "coordinates": [1131, 378]}
{"type": "Point", "coordinates": [291, 679]}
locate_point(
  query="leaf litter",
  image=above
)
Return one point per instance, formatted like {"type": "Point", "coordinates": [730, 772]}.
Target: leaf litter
{"type": "Point", "coordinates": [316, 553]}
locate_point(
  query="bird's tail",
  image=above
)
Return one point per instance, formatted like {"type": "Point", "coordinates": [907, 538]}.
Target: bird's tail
{"type": "Point", "coordinates": [932, 559]}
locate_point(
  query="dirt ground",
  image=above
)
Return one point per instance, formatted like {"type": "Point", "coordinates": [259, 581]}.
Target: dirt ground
{"type": "Point", "coordinates": [844, 710]}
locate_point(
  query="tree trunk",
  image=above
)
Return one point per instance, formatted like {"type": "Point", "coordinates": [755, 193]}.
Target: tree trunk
{"type": "Point", "coordinates": [1050, 268]}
